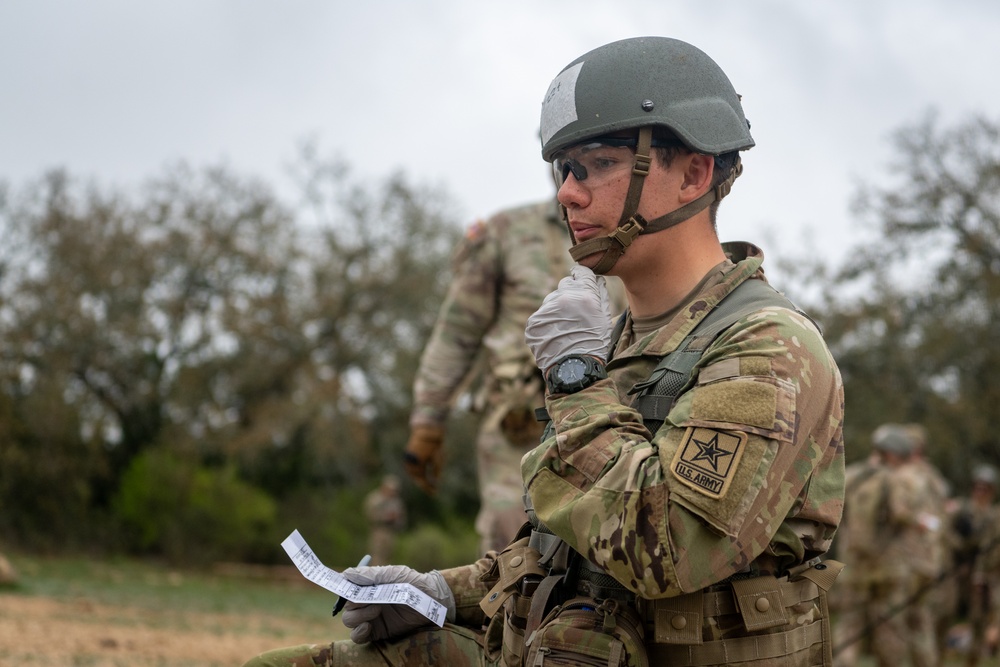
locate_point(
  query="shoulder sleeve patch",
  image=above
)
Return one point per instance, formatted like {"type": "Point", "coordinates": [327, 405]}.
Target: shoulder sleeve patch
{"type": "Point", "coordinates": [472, 240]}
{"type": "Point", "coordinates": [707, 459]}
{"type": "Point", "coordinates": [476, 231]}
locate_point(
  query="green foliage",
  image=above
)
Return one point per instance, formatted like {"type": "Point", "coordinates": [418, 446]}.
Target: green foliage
{"type": "Point", "coordinates": [45, 469]}
{"type": "Point", "coordinates": [330, 519]}
{"type": "Point", "coordinates": [435, 546]}
{"type": "Point", "coordinates": [272, 345]}
{"type": "Point", "coordinates": [191, 513]}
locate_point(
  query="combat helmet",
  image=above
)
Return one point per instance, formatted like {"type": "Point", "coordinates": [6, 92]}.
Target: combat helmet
{"type": "Point", "coordinates": [985, 474]}
{"type": "Point", "coordinates": [893, 438]}
{"type": "Point", "coordinates": [643, 83]}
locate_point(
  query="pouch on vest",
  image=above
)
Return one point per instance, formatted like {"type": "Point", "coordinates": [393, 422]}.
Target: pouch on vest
{"type": "Point", "coordinates": [509, 601]}
{"type": "Point", "coordinates": [759, 602]}
{"type": "Point", "coordinates": [586, 632]}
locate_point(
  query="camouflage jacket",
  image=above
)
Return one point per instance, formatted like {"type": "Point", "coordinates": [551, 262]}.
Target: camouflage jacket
{"type": "Point", "coordinates": [925, 541]}
{"type": "Point", "coordinates": [384, 510]}
{"type": "Point", "coordinates": [502, 270]}
{"type": "Point", "coordinates": [747, 472]}
{"type": "Point", "coordinates": [882, 526]}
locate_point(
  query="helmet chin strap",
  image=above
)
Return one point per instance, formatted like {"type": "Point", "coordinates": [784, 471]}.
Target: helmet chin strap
{"type": "Point", "coordinates": [631, 224]}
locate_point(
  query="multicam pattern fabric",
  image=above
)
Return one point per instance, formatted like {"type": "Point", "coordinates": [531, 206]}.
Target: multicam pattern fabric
{"type": "Point", "coordinates": [925, 547]}
{"type": "Point", "coordinates": [881, 526]}
{"type": "Point", "coordinates": [605, 485]}
{"type": "Point", "coordinates": [451, 645]}
{"type": "Point", "coordinates": [386, 516]}
{"type": "Point", "coordinates": [612, 490]}
{"type": "Point", "coordinates": [503, 269]}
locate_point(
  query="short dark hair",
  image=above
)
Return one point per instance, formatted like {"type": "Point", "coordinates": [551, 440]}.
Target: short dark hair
{"type": "Point", "coordinates": [672, 147]}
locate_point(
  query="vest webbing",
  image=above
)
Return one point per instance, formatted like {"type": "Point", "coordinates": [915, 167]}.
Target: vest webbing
{"type": "Point", "coordinates": [656, 396]}
{"type": "Point", "coordinates": [658, 393]}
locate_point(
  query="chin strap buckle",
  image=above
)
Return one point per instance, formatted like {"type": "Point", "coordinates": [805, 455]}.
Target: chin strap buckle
{"type": "Point", "coordinates": [628, 232]}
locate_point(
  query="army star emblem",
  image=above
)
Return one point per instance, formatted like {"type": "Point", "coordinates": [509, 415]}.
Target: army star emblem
{"type": "Point", "coordinates": [706, 459]}
{"type": "Point", "coordinates": [710, 451]}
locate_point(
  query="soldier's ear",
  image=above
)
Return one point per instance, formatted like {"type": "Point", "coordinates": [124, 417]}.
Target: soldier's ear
{"type": "Point", "coordinates": [698, 172]}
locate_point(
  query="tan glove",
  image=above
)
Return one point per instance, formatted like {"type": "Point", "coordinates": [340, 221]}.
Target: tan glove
{"type": "Point", "coordinates": [424, 456]}
{"type": "Point", "coordinates": [376, 622]}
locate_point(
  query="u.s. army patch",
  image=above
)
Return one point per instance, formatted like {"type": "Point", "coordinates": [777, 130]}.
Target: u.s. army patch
{"type": "Point", "coordinates": [706, 460]}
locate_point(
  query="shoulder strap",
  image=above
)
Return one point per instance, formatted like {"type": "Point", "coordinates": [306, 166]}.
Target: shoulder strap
{"type": "Point", "coordinates": [657, 394]}
{"type": "Point", "coordinates": [616, 334]}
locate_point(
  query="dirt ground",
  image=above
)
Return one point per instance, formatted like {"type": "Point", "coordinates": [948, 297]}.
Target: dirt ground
{"type": "Point", "coordinates": [42, 631]}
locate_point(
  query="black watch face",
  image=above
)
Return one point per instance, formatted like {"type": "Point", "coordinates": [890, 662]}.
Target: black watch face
{"type": "Point", "coordinates": [571, 371]}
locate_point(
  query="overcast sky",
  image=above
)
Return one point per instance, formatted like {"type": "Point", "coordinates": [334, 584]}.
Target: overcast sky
{"type": "Point", "coordinates": [449, 91]}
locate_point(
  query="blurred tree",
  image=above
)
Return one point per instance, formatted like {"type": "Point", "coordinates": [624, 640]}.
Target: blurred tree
{"type": "Point", "coordinates": [118, 303]}
{"type": "Point", "coordinates": [914, 315]}
{"type": "Point", "coordinates": [205, 315]}
{"type": "Point", "coordinates": [375, 262]}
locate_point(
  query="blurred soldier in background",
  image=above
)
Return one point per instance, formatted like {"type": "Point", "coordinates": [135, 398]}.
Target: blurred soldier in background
{"type": "Point", "coordinates": [386, 517]}
{"type": "Point", "coordinates": [925, 545]}
{"type": "Point", "coordinates": [502, 270]}
{"type": "Point", "coordinates": [880, 509]}
{"type": "Point", "coordinates": [8, 575]}
{"type": "Point", "coordinates": [976, 558]}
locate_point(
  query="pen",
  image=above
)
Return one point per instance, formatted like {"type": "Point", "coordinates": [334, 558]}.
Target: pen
{"type": "Point", "coordinates": [367, 558]}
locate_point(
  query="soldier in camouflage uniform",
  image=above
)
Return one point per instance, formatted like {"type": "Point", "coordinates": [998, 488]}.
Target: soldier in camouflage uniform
{"type": "Point", "coordinates": [502, 270]}
{"type": "Point", "coordinates": [8, 575]}
{"type": "Point", "coordinates": [386, 516]}
{"type": "Point", "coordinates": [882, 517]}
{"type": "Point", "coordinates": [926, 548]}
{"type": "Point", "coordinates": [678, 528]}
{"type": "Point", "coordinates": [977, 557]}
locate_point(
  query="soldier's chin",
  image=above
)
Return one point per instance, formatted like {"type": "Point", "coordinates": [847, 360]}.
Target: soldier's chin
{"type": "Point", "coordinates": [591, 261]}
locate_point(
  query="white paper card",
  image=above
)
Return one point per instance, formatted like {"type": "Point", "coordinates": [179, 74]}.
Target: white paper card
{"type": "Point", "coordinates": [313, 570]}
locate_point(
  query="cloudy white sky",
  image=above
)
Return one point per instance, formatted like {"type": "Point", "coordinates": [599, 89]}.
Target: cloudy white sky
{"type": "Point", "coordinates": [449, 90]}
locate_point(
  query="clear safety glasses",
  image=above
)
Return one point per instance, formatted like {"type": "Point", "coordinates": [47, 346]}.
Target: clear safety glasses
{"type": "Point", "coordinates": [594, 162]}
{"type": "Point", "coordinates": [600, 160]}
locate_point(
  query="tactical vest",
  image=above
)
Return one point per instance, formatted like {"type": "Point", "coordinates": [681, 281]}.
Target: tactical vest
{"type": "Point", "coordinates": [656, 395]}
{"type": "Point", "coordinates": [539, 577]}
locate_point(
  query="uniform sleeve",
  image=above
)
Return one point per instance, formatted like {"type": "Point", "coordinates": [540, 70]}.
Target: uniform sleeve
{"type": "Point", "coordinates": [463, 320]}
{"type": "Point", "coordinates": [907, 498]}
{"type": "Point", "coordinates": [750, 459]}
{"type": "Point", "coordinates": [468, 587]}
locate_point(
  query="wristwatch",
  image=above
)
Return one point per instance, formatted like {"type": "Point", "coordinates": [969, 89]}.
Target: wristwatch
{"type": "Point", "coordinates": [573, 373]}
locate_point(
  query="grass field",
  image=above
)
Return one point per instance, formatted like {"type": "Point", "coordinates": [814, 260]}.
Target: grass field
{"type": "Point", "coordinates": [79, 612]}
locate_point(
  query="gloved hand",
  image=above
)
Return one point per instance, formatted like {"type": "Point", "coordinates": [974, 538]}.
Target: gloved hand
{"type": "Point", "coordinates": [424, 455]}
{"type": "Point", "coordinates": [375, 622]}
{"type": "Point", "coordinates": [574, 319]}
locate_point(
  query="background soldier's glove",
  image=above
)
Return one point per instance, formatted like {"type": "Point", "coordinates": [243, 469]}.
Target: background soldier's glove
{"type": "Point", "coordinates": [424, 455]}
{"type": "Point", "coordinates": [574, 319]}
{"type": "Point", "coordinates": [376, 622]}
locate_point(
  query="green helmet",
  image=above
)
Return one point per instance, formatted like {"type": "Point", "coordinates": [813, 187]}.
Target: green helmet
{"type": "Point", "coordinates": [644, 81]}
{"type": "Point", "coordinates": [893, 438]}
{"type": "Point", "coordinates": [985, 474]}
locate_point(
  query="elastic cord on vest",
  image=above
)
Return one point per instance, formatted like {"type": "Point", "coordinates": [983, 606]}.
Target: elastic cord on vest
{"type": "Point", "coordinates": [632, 224]}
